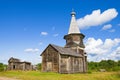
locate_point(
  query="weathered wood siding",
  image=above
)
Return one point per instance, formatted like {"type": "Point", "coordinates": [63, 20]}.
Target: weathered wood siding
{"type": "Point", "coordinates": [53, 61]}
{"type": "Point", "coordinates": [70, 64]}
{"type": "Point", "coordinates": [16, 64]}
{"type": "Point", "coordinates": [64, 64]}
{"type": "Point", "coordinates": [19, 66]}
{"type": "Point", "coordinates": [50, 60]}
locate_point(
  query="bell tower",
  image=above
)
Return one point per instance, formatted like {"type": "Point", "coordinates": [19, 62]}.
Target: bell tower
{"type": "Point", "coordinates": [74, 38]}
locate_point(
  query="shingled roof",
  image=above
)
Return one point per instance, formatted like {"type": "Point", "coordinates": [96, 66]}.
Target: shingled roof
{"type": "Point", "coordinates": [65, 51]}
{"type": "Point", "coordinates": [73, 25]}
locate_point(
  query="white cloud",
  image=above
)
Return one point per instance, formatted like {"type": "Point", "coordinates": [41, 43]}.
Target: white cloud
{"type": "Point", "coordinates": [55, 35]}
{"type": "Point", "coordinates": [98, 49]}
{"type": "Point", "coordinates": [31, 50]}
{"type": "Point", "coordinates": [97, 18]}
{"type": "Point", "coordinates": [93, 46]}
{"type": "Point", "coordinates": [115, 54]}
{"type": "Point", "coordinates": [108, 26]}
{"type": "Point", "coordinates": [118, 50]}
{"type": "Point", "coordinates": [44, 33]}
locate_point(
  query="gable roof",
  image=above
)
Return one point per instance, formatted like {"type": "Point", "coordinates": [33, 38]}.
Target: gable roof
{"type": "Point", "coordinates": [64, 51]}
{"type": "Point", "coordinates": [15, 60]}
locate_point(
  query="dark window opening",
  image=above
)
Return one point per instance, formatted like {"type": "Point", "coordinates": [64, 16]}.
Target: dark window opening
{"type": "Point", "coordinates": [13, 66]}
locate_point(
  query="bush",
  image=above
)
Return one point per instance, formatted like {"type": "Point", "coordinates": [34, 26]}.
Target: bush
{"type": "Point", "coordinates": [89, 72]}
{"type": "Point", "coordinates": [117, 68]}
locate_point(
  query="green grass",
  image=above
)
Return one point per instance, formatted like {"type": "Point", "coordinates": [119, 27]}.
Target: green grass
{"type": "Point", "coordinates": [36, 75]}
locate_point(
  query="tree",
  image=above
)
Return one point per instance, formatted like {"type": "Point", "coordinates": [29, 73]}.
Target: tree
{"type": "Point", "coordinates": [118, 63]}
{"type": "Point", "coordinates": [1, 67]}
{"type": "Point", "coordinates": [109, 65]}
{"type": "Point", "coordinates": [93, 66]}
{"type": "Point", "coordinates": [39, 66]}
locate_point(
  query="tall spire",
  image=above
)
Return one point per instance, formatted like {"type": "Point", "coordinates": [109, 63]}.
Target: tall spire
{"type": "Point", "coordinates": [73, 25]}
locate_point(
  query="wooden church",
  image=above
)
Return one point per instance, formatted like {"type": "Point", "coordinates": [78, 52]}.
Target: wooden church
{"type": "Point", "coordinates": [68, 59]}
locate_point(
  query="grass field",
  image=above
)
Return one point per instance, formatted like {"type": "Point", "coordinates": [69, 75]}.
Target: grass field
{"type": "Point", "coordinates": [36, 75]}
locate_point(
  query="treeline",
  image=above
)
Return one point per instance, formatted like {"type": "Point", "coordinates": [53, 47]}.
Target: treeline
{"type": "Point", "coordinates": [108, 65]}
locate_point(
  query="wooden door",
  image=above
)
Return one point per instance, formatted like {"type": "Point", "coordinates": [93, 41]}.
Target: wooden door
{"type": "Point", "coordinates": [49, 66]}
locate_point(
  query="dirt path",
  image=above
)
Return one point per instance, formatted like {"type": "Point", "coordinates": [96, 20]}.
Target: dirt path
{"type": "Point", "coordinates": [5, 78]}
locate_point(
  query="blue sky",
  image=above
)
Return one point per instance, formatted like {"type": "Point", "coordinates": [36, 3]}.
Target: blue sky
{"type": "Point", "coordinates": [28, 26]}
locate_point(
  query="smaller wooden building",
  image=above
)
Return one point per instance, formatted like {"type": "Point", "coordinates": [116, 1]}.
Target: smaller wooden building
{"type": "Point", "coordinates": [16, 64]}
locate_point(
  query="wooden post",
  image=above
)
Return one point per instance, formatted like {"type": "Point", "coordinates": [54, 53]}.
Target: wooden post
{"type": "Point", "coordinates": [73, 64]}
{"type": "Point", "coordinates": [59, 63]}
